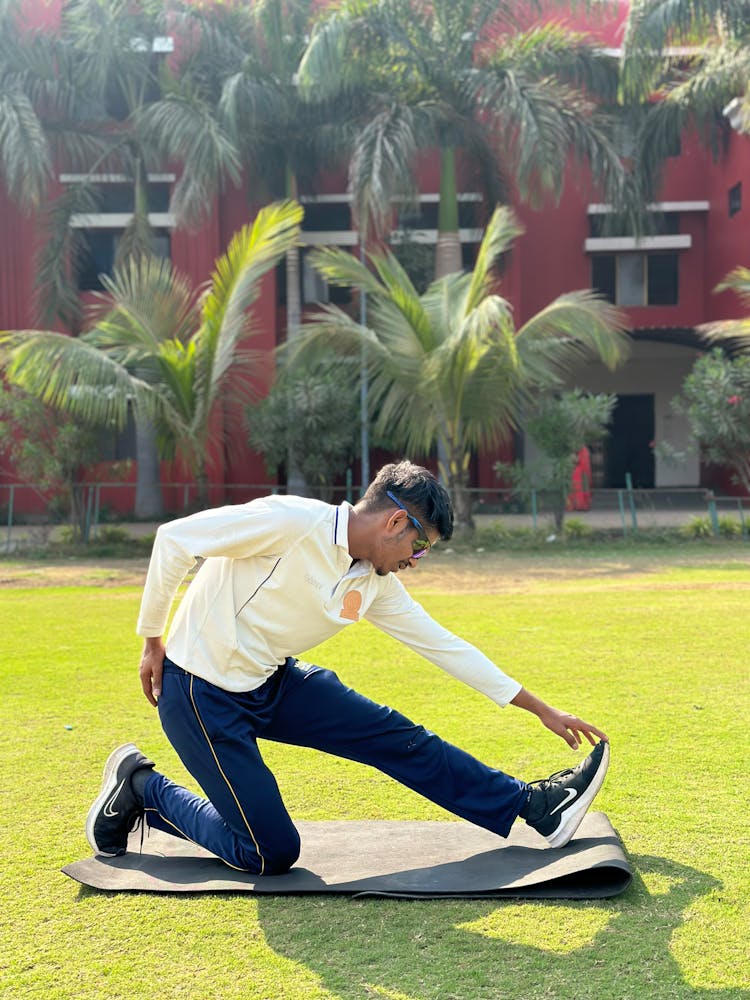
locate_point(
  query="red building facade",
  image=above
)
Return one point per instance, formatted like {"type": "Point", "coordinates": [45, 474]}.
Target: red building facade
{"type": "Point", "coordinates": [664, 282]}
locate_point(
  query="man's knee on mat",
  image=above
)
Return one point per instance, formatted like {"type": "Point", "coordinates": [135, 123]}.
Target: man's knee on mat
{"type": "Point", "coordinates": [270, 859]}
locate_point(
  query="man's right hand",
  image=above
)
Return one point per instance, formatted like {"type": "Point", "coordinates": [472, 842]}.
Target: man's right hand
{"type": "Point", "coordinates": [152, 668]}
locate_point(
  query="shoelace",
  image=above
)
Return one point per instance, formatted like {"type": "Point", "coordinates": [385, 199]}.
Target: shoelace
{"type": "Point", "coordinates": [546, 783]}
{"type": "Point", "coordinates": [139, 823]}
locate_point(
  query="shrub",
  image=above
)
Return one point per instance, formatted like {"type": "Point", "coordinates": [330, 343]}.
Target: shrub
{"type": "Point", "coordinates": [728, 526]}
{"type": "Point", "coordinates": [576, 528]}
{"type": "Point", "coordinates": [715, 398]}
{"type": "Point", "coordinates": [113, 536]}
{"type": "Point", "coordinates": [698, 527]}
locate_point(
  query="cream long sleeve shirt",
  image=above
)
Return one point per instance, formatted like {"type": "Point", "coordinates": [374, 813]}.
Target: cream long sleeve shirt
{"type": "Point", "coordinates": [276, 580]}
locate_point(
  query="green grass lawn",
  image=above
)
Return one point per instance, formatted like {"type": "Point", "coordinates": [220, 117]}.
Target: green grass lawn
{"type": "Point", "coordinates": [654, 652]}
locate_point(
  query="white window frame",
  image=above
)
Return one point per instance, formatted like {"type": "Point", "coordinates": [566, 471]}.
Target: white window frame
{"type": "Point", "coordinates": [117, 220]}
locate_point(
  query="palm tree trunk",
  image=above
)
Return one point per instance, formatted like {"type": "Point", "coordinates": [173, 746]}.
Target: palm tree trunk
{"type": "Point", "coordinates": [149, 503]}
{"type": "Point", "coordinates": [201, 481]}
{"type": "Point", "coordinates": [293, 296]}
{"type": "Point", "coordinates": [448, 258]}
{"type": "Point", "coordinates": [295, 480]}
{"type": "Point", "coordinates": [455, 473]}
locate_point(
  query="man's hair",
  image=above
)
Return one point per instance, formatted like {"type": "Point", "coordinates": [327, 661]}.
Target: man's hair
{"type": "Point", "coordinates": [417, 489]}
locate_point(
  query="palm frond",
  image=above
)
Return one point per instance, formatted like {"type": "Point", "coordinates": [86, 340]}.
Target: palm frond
{"type": "Point", "coordinates": [731, 334]}
{"type": "Point", "coordinates": [74, 376]}
{"type": "Point", "coordinates": [328, 65]}
{"type": "Point", "coordinates": [147, 303]}
{"type": "Point", "coordinates": [24, 151]}
{"type": "Point", "coordinates": [382, 164]}
{"type": "Point", "coordinates": [476, 371]}
{"type": "Point", "coordinates": [183, 127]}
{"type": "Point", "coordinates": [550, 121]}
{"type": "Point", "coordinates": [443, 303]}
{"type": "Point", "coordinates": [329, 329]}
{"type": "Point", "coordinates": [713, 81]}
{"type": "Point", "coordinates": [574, 327]}
{"type": "Point", "coordinates": [212, 39]}
{"type": "Point", "coordinates": [343, 269]}
{"type": "Point", "coordinates": [176, 365]}
{"type": "Point", "coordinates": [253, 251]}
{"type": "Point", "coordinates": [501, 231]}
{"type": "Point", "coordinates": [655, 28]}
{"type": "Point", "coordinates": [399, 302]}
{"type": "Point", "coordinates": [249, 105]}
{"type": "Point", "coordinates": [737, 281]}
{"type": "Point", "coordinates": [59, 256]}
{"type": "Point", "coordinates": [395, 359]}
{"type": "Point", "coordinates": [549, 51]}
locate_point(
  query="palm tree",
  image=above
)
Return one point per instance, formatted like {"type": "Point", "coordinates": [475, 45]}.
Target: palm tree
{"type": "Point", "coordinates": [92, 98]}
{"type": "Point", "coordinates": [688, 61]}
{"type": "Point", "coordinates": [25, 162]}
{"type": "Point", "coordinates": [156, 349]}
{"type": "Point", "coordinates": [448, 367]}
{"type": "Point", "coordinates": [460, 75]}
{"type": "Point", "coordinates": [281, 139]}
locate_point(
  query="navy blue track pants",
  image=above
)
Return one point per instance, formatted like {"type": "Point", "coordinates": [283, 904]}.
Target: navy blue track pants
{"type": "Point", "coordinates": [244, 820]}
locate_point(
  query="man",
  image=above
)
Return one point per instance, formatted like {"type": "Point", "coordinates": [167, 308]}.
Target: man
{"type": "Point", "coordinates": [280, 575]}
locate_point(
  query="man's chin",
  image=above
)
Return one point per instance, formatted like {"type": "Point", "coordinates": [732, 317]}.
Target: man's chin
{"type": "Point", "coordinates": [382, 571]}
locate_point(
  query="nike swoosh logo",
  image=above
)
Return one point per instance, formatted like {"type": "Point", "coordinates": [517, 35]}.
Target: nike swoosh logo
{"type": "Point", "coordinates": [109, 811]}
{"type": "Point", "coordinates": [571, 794]}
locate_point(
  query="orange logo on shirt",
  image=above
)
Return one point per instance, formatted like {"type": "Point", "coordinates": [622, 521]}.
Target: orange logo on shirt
{"type": "Point", "coordinates": [352, 604]}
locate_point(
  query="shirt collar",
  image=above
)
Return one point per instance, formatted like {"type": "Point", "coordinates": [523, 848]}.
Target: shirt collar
{"type": "Point", "coordinates": [341, 525]}
{"type": "Point", "coordinates": [341, 538]}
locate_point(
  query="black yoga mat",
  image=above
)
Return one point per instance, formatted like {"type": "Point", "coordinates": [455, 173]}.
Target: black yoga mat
{"type": "Point", "coordinates": [422, 860]}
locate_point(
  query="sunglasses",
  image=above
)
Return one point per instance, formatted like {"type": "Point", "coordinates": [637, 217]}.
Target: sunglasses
{"type": "Point", "coordinates": [421, 544]}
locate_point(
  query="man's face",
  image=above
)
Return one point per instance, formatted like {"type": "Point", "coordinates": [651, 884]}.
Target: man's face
{"type": "Point", "coordinates": [394, 548]}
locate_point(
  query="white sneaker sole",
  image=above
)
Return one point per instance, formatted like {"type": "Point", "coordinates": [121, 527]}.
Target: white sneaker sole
{"type": "Point", "coordinates": [572, 817]}
{"type": "Point", "coordinates": [109, 783]}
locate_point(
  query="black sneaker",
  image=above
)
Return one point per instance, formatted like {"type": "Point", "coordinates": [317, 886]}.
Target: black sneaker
{"type": "Point", "coordinates": [558, 804]}
{"type": "Point", "coordinates": [117, 809]}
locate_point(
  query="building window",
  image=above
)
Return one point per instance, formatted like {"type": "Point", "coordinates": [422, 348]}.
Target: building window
{"type": "Point", "coordinates": [315, 288]}
{"type": "Point", "coordinates": [735, 199]}
{"type": "Point", "coordinates": [637, 279]}
{"type": "Point", "coordinates": [119, 196]}
{"type": "Point", "coordinates": [425, 215]}
{"type": "Point", "coordinates": [99, 251]}
{"type": "Point", "coordinates": [323, 217]}
{"type": "Point", "coordinates": [101, 229]}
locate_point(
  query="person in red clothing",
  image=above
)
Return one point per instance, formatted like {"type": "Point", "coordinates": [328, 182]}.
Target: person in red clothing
{"type": "Point", "coordinates": [580, 495]}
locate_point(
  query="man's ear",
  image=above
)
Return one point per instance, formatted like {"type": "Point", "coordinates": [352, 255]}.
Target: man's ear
{"type": "Point", "coordinates": [394, 521]}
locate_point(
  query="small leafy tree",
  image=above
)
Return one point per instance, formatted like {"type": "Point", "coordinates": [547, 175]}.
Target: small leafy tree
{"type": "Point", "coordinates": [310, 417]}
{"type": "Point", "coordinates": [715, 399]}
{"type": "Point", "coordinates": [561, 426]}
{"type": "Point", "coordinates": [50, 453]}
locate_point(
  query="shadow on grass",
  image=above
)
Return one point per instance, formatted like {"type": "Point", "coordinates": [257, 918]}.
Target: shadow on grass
{"type": "Point", "coordinates": [437, 949]}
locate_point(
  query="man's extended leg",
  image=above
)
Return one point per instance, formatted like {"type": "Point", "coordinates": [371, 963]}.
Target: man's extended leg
{"type": "Point", "coordinates": [318, 711]}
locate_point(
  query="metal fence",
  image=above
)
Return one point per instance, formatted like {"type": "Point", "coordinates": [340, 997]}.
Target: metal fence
{"type": "Point", "coordinates": [33, 517]}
